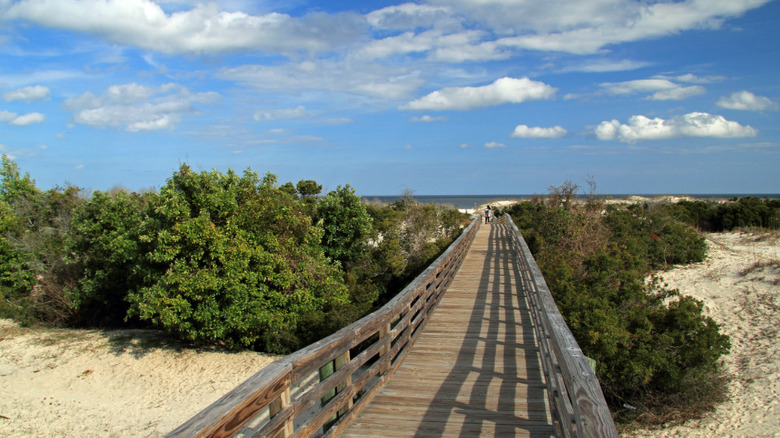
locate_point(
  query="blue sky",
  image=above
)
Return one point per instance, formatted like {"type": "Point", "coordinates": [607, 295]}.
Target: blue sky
{"type": "Point", "coordinates": [442, 97]}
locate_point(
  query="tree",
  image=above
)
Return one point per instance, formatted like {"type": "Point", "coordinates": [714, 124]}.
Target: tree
{"type": "Point", "coordinates": [15, 187]}
{"type": "Point", "coordinates": [308, 188]}
{"type": "Point", "coordinates": [346, 224]}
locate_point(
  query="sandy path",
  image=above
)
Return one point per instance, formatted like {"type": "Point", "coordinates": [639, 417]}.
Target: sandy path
{"type": "Point", "coordinates": [131, 383]}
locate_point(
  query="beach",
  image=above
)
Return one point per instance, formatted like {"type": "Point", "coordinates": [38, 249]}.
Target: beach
{"type": "Point", "coordinates": [93, 383]}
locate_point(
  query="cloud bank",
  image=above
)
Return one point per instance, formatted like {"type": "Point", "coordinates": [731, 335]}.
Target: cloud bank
{"type": "Point", "coordinates": [203, 29]}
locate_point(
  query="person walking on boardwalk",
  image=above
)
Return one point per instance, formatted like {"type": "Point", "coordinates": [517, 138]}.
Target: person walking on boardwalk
{"type": "Point", "coordinates": [487, 214]}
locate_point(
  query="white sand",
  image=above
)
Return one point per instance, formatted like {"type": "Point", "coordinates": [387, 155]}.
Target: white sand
{"type": "Point", "coordinates": [108, 384]}
{"type": "Point", "coordinates": [111, 384]}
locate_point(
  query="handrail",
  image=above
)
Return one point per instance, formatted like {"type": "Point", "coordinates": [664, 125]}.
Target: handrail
{"type": "Point", "coordinates": [293, 397]}
{"type": "Point", "coordinates": [577, 402]}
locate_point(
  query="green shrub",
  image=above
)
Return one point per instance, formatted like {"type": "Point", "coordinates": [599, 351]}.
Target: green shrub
{"type": "Point", "coordinates": [346, 225]}
{"type": "Point", "coordinates": [745, 212]}
{"type": "Point", "coordinates": [233, 260]}
{"type": "Point", "coordinates": [35, 226]}
{"type": "Point", "coordinates": [105, 245]}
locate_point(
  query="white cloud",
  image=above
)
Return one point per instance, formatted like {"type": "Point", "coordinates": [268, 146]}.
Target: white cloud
{"type": "Point", "coordinates": [523, 131]}
{"type": "Point", "coordinates": [460, 46]}
{"type": "Point", "coordinates": [202, 29]}
{"type": "Point", "coordinates": [494, 144]}
{"type": "Point", "coordinates": [26, 78]}
{"type": "Point", "coordinates": [7, 116]}
{"type": "Point", "coordinates": [678, 93]}
{"type": "Point", "coordinates": [24, 120]}
{"type": "Point", "coordinates": [662, 89]}
{"type": "Point", "coordinates": [484, 51]}
{"type": "Point", "coordinates": [603, 66]}
{"type": "Point", "coordinates": [695, 124]}
{"type": "Point", "coordinates": [281, 114]}
{"type": "Point", "coordinates": [503, 90]}
{"type": "Point", "coordinates": [427, 119]}
{"type": "Point", "coordinates": [747, 101]}
{"type": "Point", "coordinates": [137, 107]}
{"type": "Point", "coordinates": [638, 86]}
{"type": "Point", "coordinates": [28, 119]}
{"type": "Point", "coordinates": [694, 79]}
{"type": "Point", "coordinates": [28, 94]}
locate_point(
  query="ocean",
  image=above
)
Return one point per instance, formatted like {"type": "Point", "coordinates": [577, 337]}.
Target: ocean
{"type": "Point", "coordinates": [472, 201]}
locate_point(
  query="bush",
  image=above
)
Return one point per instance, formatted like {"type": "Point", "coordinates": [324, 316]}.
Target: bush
{"type": "Point", "coordinates": [234, 260]}
{"type": "Point", "coordinates": [35, 226]}
{"type": "Point", "coordinates": [745, 212]}
{"type": "Point", "coordinates": [105, 245]}
{"type": "Point", "coordinates": [346, 225]}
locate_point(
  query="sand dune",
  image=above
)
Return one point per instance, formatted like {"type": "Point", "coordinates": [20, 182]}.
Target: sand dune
{"type": "Point", "coordinates": [739, 284]}
{"type": "Point", "coordinates": [137, 383]}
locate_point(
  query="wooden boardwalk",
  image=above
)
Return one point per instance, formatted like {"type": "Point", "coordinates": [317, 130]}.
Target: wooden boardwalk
{"type": "Point", "coordinates": [475, 370]}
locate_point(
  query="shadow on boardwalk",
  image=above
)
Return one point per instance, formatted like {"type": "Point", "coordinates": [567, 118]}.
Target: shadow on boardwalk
{"type": "Point", "coordinates": [475, 369]}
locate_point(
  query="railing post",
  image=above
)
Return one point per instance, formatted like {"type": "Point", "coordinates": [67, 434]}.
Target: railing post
{"type": "Point", "coordinates": [384, 332]}
{"type": "Point", "coordinates": [276, 406]}
{"type": "Point", "coordinates": [326, 371]}
{"type": "Point", "coordinates": [340, 362]}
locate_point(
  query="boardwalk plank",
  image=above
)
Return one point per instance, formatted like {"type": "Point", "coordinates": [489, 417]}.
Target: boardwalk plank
{"type": "Point", "coordinates": [475, 369]}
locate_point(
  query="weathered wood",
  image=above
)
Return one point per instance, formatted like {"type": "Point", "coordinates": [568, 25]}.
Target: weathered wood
{"type": "Point", "coordinates": [228, 414]}
{"type": "Point", "coordinates": [589, 408]}
{"type": "Point", "coordinates": [275, 409]}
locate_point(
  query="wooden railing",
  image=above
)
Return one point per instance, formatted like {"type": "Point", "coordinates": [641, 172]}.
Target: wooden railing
{"type": "Point", "coordinates": [577, 402]}
{"type": "Point", "coordinates": [323, 387]}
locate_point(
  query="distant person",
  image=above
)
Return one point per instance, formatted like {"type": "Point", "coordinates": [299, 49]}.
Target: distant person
{"type": "Point", "coordinates": [487, 214]}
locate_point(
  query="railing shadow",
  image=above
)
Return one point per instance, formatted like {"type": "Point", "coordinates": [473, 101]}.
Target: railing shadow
{"type": "Point", "coordinates": [503, 355]}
